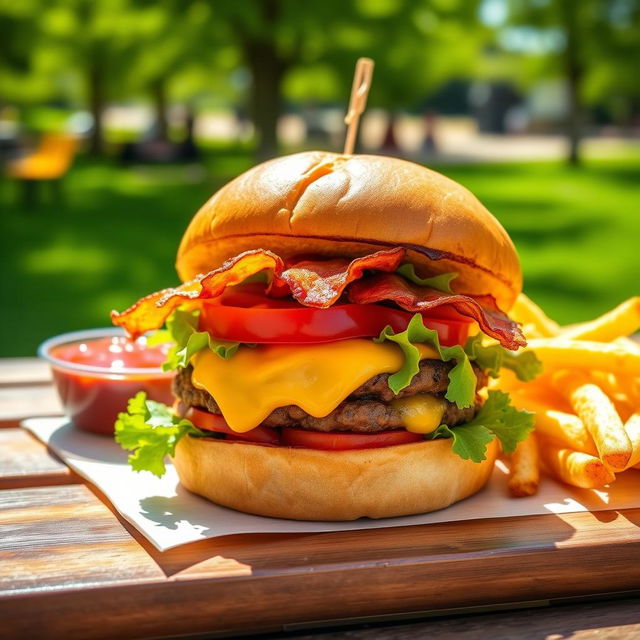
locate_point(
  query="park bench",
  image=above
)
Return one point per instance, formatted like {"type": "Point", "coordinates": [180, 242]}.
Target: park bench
{"type": "Point", "coordinates": [48, 163]}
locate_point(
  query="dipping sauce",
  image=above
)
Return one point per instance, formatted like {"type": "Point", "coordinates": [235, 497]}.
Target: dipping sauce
{"type": "Point", "coordinates": [97, 371]}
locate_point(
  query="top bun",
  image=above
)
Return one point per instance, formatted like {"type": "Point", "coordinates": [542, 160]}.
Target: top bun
{"type": "Point", "coordinates": [335, 205]}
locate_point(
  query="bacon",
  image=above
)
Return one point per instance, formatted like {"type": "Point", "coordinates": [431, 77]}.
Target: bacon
{"type": "Point", "coordinates": [151, 311]}
{"type": "Point", "coordinates": [321, 283]}
{"type": "Point", "coordinates": [312, 283]}
{"type": "Point", "coordinates": [416, 298]}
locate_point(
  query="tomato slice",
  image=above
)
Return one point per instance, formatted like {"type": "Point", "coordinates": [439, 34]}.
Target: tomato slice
{"type": "Point", "coordinates": [340, 441]}
{"type": "Point", "coordinates": [213, 422]}
{"type": "Point", "coordinates": [246, 316]}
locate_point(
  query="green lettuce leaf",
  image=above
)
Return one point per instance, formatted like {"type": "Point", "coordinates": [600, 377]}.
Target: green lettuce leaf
{"type": "Point", "coordinates": [152, 431]}
{"type": "Point", "coordinates": [440, 282]}
{"type": "Point", "coordinates": [469, 441]}
{"type": "Point", "coordinates": [494, 357]}
{"type": "Point", "coordinates": [182, 327]}
{"type": "Point", "coordinates": [496, 418]}
{"type": "Point", "coordinates": [462, 379]}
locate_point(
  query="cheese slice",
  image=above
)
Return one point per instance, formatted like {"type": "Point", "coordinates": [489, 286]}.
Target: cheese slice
{"type": "Point", "coordinates": [421, 413]}
{"type": "Point", "coordinates": [317, 378]}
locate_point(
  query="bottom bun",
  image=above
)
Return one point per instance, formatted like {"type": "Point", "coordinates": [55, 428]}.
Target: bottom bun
{"type": "Point", "coordinates": [309, 484]}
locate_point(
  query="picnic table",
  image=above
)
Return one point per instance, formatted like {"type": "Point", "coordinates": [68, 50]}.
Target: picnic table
{"type": "Point", "coordinates": [70, 567]}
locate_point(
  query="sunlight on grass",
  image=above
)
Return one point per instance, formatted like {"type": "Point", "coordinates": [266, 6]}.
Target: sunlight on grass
{"type": "Point", "coordinates": [64, 259]}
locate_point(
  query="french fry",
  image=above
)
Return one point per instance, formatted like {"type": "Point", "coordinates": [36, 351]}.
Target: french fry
{"type": "Point", "coordinates": [632, 427]}
{"type": "Point", "coordinates": [587, 402]}
{"type": "Point", "coordinates": [566, 429]}
{"type": "Point", "coordinates": [540, 396]}
{"type": "Point", "coordinates": [621, 321]}
{"type": "Point", "coordinates": [600, 417]}
{"type": "Point", "coordinates": [619, 390]}
{"type": "Point", "coordinates": [561, 353]}
{"type": "Point", "coordinates": [629, 388]}
{"type": "Point", "coordinates": [541, 392]}
{"type": "Point", "coordinates": [535, 320]}
{"type": "Point", "coordinates": [524, 477]}
{"type": "Point", "coordinates": [628, 343]}
{"type": "Point", "coordinates": [574, 467]}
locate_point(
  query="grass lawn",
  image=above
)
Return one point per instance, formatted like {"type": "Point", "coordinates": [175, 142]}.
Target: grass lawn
{"type": "Point", "coordinates": [115, 238]}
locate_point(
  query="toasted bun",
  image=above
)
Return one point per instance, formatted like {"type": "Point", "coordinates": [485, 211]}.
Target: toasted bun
{"type": "Point", "coordinates": [307, 484]}
{"type": "Point", "coordinates": [328, 204]}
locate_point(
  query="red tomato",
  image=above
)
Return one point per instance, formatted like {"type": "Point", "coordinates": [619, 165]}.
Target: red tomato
{"type": "Point", "coordinates": [339, 441]}
{"type": "Point", "coordinates": [214, 422]}
{"type": "Point", "coordinates": [247, 317]}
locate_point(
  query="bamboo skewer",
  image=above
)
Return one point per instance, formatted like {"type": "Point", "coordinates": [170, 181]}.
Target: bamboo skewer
{"type": "Point", "coordinates": [358, 102]}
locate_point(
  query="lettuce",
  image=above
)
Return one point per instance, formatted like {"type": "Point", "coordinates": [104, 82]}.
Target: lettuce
{"type": "Point", "coordinates": [440, 282]}
{"type": "Point", "coordinates": [182, 329]}
{"type": "Point", "coordinates": [496, 418]}
{"type": "Point", "coordinates": [462, 379]}
{"type": "Point", "coordinates": [494, 357]}
{"type": "Point", "coordinates": [151, 430]}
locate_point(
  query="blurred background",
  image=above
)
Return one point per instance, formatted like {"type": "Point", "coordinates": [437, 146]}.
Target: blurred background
{"type": "Point", "coordinates": [118, 118]}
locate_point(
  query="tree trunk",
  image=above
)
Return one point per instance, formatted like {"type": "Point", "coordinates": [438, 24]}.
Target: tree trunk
{"type": "Point", "coordinates": [96, 105]}
{"type": "Point", "coordinates": [574, 74]}
{"type": "Point", "coordinates": [159, 93]}
{"type": "Point", "coordinates": [265, 102]}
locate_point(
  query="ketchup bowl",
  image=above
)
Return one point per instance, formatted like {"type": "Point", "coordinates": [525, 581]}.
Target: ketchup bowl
{"type": "Point", "coordinates": [96, 371]}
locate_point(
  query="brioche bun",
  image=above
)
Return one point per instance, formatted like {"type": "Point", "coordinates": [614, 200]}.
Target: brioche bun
{"type": "Point", "coordinates": [309, 484]}
{"type": "Point", "coordinates": [334, 205]}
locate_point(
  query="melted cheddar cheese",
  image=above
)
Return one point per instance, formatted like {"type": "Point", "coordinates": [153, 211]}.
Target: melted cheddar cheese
{"type": "Point", "coordinates": [317, 378]}
{"type": "Point", "coordinates": [421, 413]}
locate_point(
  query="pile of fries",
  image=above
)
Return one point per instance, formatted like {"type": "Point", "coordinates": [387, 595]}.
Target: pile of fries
{"type": "Point", "coordinates": [587, 401]}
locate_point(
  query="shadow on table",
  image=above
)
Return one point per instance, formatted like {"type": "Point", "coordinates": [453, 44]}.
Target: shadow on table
{"type": "Point", "coordinates": [167, 511]}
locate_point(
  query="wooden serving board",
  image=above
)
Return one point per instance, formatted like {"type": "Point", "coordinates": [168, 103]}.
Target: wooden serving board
{"type": "Point", "coordinates": [70, 568]}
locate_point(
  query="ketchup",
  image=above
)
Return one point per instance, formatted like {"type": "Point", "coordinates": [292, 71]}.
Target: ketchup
{"type": "Point", "coordinates": [103, 373]}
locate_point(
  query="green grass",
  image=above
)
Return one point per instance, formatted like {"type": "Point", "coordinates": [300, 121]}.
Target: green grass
{"type": "Point", "coordinates": [577, 230]}
{"type": "Point", "coordinates": [115, 238]}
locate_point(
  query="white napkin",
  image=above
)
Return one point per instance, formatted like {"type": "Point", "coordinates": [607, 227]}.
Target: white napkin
{"type": "Point", "coordinates": [169, 515]}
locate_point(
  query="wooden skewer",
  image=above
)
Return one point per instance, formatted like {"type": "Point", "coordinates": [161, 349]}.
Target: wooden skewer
{"type": "Point", "coordinates": [359, 92]}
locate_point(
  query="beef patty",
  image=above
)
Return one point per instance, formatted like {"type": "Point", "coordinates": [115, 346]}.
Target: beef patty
{"type": "Point", "coordinates": [365, 410]}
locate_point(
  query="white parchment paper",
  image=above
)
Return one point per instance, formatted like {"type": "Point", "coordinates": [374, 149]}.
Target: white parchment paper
{"type": "Point", "coordinates": [169, 515]}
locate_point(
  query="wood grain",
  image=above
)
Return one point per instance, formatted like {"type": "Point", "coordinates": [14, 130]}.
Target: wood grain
{"type": "Point", "coordinates": [26, 391]}
{"type": "Point", "coordinates": [613, 620]}
{"type": "Point", "coordinates": [20, 371]}
{"type": "Point", "coordinates": [26, 462]}
{"type": "Point", "coordinates": [68, 565]}
{"type": "Point", "coordinates": [29, 401]}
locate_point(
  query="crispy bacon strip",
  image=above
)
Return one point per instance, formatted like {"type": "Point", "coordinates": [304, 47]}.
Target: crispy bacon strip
{"type": "Point", "coordinates": [321, 283]}
{"type": "Point", "coordinates": [411, 297]}
{"type": "Point", "coordinates": [312, 283]}
{"type": "Point", "coordinates": [151, 311]}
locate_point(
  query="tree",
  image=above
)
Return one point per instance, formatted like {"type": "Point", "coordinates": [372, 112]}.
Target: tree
{"type": "Point", "coordinates": [598, 46]}
{"type": "Point", "coordinates": [101, 38]}
{"type": "Point", "coordinates": [25, 74]}
{"type": "Point", "coordinates": [179, 43]}
{"type": "Point", "coordinates": [417, 44]}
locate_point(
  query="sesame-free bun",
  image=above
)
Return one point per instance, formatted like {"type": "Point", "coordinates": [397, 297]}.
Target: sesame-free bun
{"type": "Point", "coordinates": [309, 484]}
{"type": "Point", "coordinates": [334, 205]}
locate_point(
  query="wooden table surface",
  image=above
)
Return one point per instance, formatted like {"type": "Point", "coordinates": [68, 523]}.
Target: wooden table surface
{"type": "Point", "coordinates": [71, 568]}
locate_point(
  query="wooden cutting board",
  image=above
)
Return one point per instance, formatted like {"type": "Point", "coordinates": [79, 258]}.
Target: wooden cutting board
{"type": "Point", "coordinates": [70, 568]}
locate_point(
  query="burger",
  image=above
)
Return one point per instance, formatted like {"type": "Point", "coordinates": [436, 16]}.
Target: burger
{"type": "Point", "coordinates": [337, 325]}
